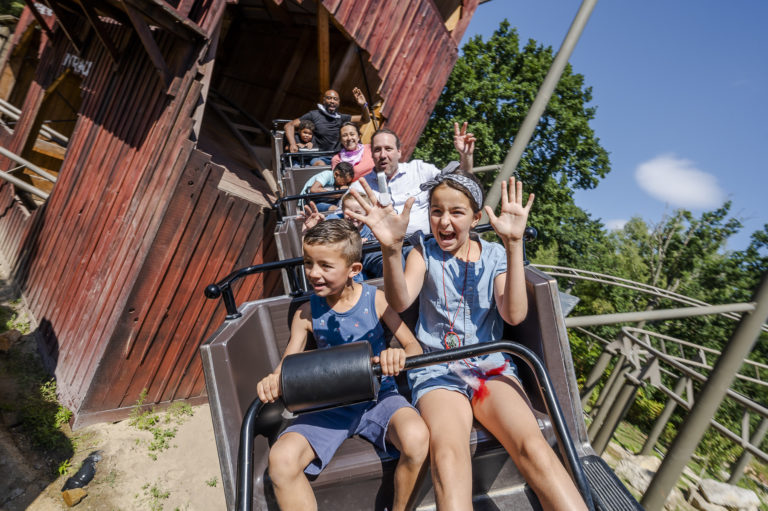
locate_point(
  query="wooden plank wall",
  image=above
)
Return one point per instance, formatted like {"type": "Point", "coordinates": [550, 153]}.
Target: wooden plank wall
{"type": "Point", "coordinates": [204, 236]}
{"type": "Point", "coordinates": [411, 49]}
{"type": "Point", "coordinates": [112, 264]}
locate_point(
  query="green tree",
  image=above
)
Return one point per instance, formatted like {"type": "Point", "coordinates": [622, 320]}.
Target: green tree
{"type": "Point", "coordinates": [492, 87]}
{"type": "Point", "coordinates": [12, 7]}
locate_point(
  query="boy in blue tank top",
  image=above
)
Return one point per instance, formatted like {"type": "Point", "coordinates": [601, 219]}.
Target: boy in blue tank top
{"type": "Point", "coordinates": [343, 311]}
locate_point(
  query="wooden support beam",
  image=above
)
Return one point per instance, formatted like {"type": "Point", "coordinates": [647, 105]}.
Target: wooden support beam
{"type": "Point", "coordinates": [59, 13]}
{"type": "Point", "coordinates": [185, 7]}
{"type": "Point", "coordinates": [276, 12]}
{"type": "Point", "coordinates": [39, 18]}
{"type": "Point", "coordinates": [290, 74]}
{"type": "Point", "coordinates": [98, 27]}
{"type": "Point", "coordinates": [323, 50]}
{"type": "Point", "coordinates": [266, 173]}
{"type": "Point", "coordinates": [166, 17]}
{"type": "Point", "coordinates": [142, 29]}
{"type": "Point", "coordinates": [347, 64]}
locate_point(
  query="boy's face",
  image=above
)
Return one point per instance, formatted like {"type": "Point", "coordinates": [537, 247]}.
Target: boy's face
{"type": "Point", "coordinates": [327, 270]}
{"type": "Point", "coordinates": [340, 178]}
{"type": "Point", "coordinates": [355, 207]}
{"type": "Point", "coordinates": [305, 135]}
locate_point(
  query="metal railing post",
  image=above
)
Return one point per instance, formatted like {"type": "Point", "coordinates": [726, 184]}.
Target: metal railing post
{"type": "Point", "coordinates": [610, 399]}
{"type": "Point", "coordinates": [708, 401]}
{"type": "Point", "coordinates": [737, 470]}
{"type": "Point", "coordinates": [661, 422]}
{"type": "Point", "coordinates": [620, 407]}
{"type": "Point", "coordinates": [595, 374]}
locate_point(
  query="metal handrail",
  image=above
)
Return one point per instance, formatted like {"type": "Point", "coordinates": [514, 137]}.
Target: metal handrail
{"type": "Point", "coordinates": [223, 288]}
{"type": "Point", "coordinates": [31, 166]}
{"type": "Point", "coordinates": [244, 499]}
{"type": "Point", "coordinates": [14, 113]}
{"type": "Point", "coordinates": [307, 196]}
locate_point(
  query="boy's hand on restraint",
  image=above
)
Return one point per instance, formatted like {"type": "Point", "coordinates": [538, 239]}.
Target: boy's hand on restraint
{"type": "Point", "coordinates": [392, 361]}
{"type": "Point", "coordinates": [268, 388]}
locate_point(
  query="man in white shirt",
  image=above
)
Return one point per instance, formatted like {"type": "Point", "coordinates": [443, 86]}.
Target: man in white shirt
{"type": "Point", "coordinates": [404, 178]}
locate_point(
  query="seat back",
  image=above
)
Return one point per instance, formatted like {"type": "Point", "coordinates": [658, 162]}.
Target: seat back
{"type": "Point", "coordinates": [244, 350]}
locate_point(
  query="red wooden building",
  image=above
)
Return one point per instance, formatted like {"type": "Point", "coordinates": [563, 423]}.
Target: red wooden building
{"type": "Point", "coordinates": [152, 117]}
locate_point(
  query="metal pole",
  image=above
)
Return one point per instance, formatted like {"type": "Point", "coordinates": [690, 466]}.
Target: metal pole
{"type": "Point", "coordinates": [620, 407]}
{"type": "Point", "coordinates": [708, 401]}
{"type": "Point", "coordinates": [601, 397]}
{"type": "Point", "coordinates": [655, 315]}
{"type": "Point", "coordinates": [661, 422]}
{"type": "Point", "coordinates": [595, 374]}
{"type": "Point", "coordinates": [610, 399]}
{"type": "Point", "coordinates": [23, 185]}
{"type": "Point", "coordinates": [526, 130]}
{"type": "Point", "coordinates": [737, 471]}
{"type": "Point", "coordinates": [31, 166]}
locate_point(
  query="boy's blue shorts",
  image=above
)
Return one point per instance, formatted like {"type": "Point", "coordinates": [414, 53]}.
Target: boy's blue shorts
{"type": "Point", "coordinates": [326, 430]}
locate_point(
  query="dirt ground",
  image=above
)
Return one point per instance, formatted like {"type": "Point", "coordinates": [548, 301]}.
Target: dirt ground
{"type": "Point", "coordinates": [184, 474]}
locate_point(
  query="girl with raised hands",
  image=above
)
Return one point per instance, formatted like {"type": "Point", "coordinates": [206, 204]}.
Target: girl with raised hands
{"type": "Point", "coordinates": [466, 287]}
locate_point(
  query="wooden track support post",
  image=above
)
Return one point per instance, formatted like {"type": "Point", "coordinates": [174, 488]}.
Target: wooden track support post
{"type": "Point", "coordinates": [323, 49]}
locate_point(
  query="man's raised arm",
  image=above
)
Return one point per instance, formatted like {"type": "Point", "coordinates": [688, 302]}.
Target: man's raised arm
{"type": "Point", "coordinates": [365, 116]}
{"type": "Point", "coordinates": [465, 144]}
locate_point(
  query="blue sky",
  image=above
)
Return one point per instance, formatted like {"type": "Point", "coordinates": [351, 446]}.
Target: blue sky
{"type": "Point", "coordinates": [680, 89]}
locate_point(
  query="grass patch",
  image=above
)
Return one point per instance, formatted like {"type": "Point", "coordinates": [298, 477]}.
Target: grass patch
{"type": "Point", "coordinates": [163, 427]}
{"type": "Point", "coordinates": [155, 496]}
{"type": "Point", "coordinates": [212, 482]}
{"type": "Point", "coordinates": [629, 437]}
{"type": "Point", "coordinates": [39, 414]}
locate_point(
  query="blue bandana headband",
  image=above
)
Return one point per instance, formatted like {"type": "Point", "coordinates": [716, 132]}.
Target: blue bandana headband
{"type": "Point", "coordinates": [448, 173]}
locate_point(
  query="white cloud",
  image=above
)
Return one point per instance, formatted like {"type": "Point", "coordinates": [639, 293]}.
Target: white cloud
{"type": "Point", "coordinates": [679, 183]}
{"type": "Point", "coordinates": [615, 224]}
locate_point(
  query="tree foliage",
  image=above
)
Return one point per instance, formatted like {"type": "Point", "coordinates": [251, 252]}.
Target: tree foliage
{"type": "Point", "coordinates": [12, 7]}
{"type": "Point", "coordinates": [492, 87]}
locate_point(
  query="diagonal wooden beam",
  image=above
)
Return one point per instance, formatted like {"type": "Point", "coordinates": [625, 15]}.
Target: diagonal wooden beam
{"type": "Point", "coordinates": [145, 35]}
{"type": "Point", "coordinates": [289, 74]}
{"type": "Point", "coordinates": [59, 13]}
{"type": "Point", "coordinates": [39, 18]}
{"type": "Point", "coordinates": [98, 27]}
{"type": "Point", "coordinates": [165, 16]}
{"type": "Point", "coordinates": [323, 49]}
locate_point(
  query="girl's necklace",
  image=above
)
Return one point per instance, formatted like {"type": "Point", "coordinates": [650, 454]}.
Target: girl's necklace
{"type": "Point", "coordinates": [451, 339]}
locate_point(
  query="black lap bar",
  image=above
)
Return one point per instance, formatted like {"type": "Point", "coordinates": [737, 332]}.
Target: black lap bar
{"type": "Point", "coordinates": [319, 379]}
{"type": "Point", "coordinates": [343, 375]}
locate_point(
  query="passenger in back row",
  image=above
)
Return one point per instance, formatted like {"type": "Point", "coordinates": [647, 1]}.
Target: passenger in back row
{"type": "Point", "coordinates": [329, 180]}
{"type": "Point", "coordinates": [339, 312]}
{"type": "Point", "coordinates": [353, 151]}
{"type": "Point", "coordinates": [327, 122]}
{"type": "Point", "coordinates": [404, 178]}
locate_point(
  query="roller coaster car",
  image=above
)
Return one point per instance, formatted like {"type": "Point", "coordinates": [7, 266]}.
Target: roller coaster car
{"type": "Point", "coordinates": [246, 348]}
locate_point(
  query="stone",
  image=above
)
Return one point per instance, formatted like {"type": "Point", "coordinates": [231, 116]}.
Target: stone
{"type": "Point", "coordinates": [728, 495]}
{"type": "Point", "coordinates": [638, 471]}
{"type": "Point", "coordinates": [73, 496]}
{"type": "Point", "coordinates": [700, 502]}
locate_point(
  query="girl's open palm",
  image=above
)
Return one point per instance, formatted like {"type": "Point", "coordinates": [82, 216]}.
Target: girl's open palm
{"type": "Point", "coordinates": [387, 225]}
{"type": "Point", "coordinates": [510, 224]}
